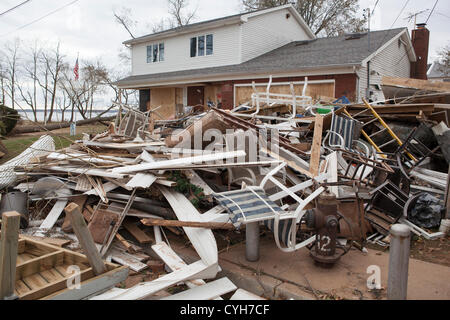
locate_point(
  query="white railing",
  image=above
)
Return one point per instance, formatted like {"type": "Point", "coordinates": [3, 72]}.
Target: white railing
{"type": "Point", "coordinates": [271, 99]}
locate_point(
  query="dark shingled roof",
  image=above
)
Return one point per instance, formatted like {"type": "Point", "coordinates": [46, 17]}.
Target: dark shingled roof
{"type": "Point", "coordinates": [295, 56]}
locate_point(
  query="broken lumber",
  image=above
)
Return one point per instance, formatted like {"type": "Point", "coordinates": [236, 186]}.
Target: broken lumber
{"type": "Point", "coordinates": [85, 238]}
{"type": "Point", "coordinates": [189, 224]}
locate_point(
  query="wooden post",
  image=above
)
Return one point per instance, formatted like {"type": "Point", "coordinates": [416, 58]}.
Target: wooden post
{"type": "Point", "coordinates": [85, 238]}
{"type": "Point", "coordinates": [8, 253]}
{"type": "Point", "coordinates": [317, 143]}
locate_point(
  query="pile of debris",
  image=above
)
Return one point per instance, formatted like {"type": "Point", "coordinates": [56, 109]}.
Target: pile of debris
{"type": "Point", "coordinates": [319, 175]}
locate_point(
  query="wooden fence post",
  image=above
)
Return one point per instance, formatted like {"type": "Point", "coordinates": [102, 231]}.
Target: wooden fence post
{"type": "Point", "coordinates": [85, 238]}
{"type": "Point", "coordinates": [8, 253]}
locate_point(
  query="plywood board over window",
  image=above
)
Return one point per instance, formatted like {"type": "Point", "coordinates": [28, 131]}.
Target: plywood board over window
{"type": "Point", "coordinates": [315, 89]}
{"type": "Point", "coordinates": [211, 92]}
{"type": "Point", "coordinates": [165, 97]}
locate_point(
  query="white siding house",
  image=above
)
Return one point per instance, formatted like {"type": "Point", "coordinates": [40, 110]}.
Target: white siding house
{"type": "Point", "coordinates": [235, 40]}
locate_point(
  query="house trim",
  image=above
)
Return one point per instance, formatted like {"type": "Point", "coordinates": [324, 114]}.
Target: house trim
{"type": "Point", "coordinates": [326, 70]}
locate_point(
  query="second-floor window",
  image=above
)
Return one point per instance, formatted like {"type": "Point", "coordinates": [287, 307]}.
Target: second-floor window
{"type": "Point", "coordinates": [202, 45]}
{"type": "Point", "coordinates": [155, 52]}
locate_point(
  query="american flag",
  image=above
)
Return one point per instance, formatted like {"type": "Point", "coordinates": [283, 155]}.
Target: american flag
{"type": "Point", "coordinates": [75, 70]}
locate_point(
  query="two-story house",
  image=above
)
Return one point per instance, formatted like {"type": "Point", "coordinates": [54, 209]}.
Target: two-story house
{"type": "Point", "coordinates": [218, 60]}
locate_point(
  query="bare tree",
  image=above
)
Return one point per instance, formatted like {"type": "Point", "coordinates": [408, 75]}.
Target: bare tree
{"type": "Point", "coordinates": [53, 63]}
{"type": "Point", "coordinates": [324, 17]}
{"type": "Point", "coordinates": [31, 75]}
{"type": "Point", "coordinates": [11, 54]}
{"type": "Point", "coordinates": [2, 80]}
{"type": "Point", "coordinates": [123, 18]}
{"type": "Point", "coordinates": [178, 9]}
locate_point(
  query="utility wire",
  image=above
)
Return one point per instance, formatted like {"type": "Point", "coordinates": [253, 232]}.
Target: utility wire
{"type": "Point", "coordinates": [41, 18]}
{"type": "Point", "coordinates": [13, 8]}
{"type": "Point", "coordinates": [432, 11]}
{"type": "Point", "coordinates": [374, 7]}
{"type": "Point", "coordinates": [387, 31]}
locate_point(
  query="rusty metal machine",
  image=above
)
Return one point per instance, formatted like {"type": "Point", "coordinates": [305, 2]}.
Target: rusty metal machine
{"type": "Point", "coordinates": [325, 220]}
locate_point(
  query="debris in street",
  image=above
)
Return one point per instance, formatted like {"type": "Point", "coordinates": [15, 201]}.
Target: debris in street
{"type": "Point", "coordinates": [325, 177]}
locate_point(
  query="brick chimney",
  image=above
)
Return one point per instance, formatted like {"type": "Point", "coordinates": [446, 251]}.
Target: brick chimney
{"type": "Point", "coordinates": [420, 40]}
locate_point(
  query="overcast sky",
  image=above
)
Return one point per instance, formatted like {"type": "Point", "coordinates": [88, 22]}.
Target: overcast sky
{"type": "Point", "coordinates": [88, 27]}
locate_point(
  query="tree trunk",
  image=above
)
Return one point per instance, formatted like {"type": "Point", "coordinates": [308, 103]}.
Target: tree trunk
{"type": "Point", "coordinates": [54, 126]}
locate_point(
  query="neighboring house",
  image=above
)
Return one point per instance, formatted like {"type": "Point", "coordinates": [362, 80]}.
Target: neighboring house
{"type": "Point", "coordinates": [218, 60]}
{"type": "Point", "coordinates": [438, 71]}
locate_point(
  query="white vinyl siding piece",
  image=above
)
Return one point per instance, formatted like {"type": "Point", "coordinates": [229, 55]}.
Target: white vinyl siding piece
{"type": "Point", "coordinates": [207, 291]}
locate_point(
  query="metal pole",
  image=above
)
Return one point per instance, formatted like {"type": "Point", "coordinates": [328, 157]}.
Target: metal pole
{"type": "Point", "coordinates": [252, 241]}
{"type": "Point", "coordinates": [400, 235]}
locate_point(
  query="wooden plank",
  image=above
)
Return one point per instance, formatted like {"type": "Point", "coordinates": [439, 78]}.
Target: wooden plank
{"type": "Point", "coordinates": [53, 241]}
{"type": "Point", "coordinates": [125, 243]}
{"type": "Point", "coordinates": [45, 289]}
{"type": "Point", "coordinates": [136, 232]}
{"type": "Point", "coordinates": [51, 275]}
{"type": "Point", "coordinates": [39, 264]}
{"type": "Point", "coordinates": [83, 184]}
{"type": "Point", "coordinates": [80, 201]}
{"type": "Point", "coordinates": [9, 244]}
{"type": "Point", "coordinates": [107, 187]}
{"type": "Point", "coordinates": [208, 291]}
{"type": "Point", "coordinates": [53, 215]}
{"type": "Point", "coordinates": [190, 224]}
{"type": "Point", "coordinates": [91, 172]}
{"type": "Point", "coordinates": [429, 85]}
{"type": "Point", "coordinates": [316, 146]}
{"type": "Point", "coordinates": [21, 288]}
{"type": "Point", "coordinates": [127, 260]}
{"type": "Point", "coordinates": [85, 238]}
{"type": "Point", "coordinates": [90, 286]}
{"type": "Point", "coordinates": [35, 281]}
{"type": "Point", "coordinates": [290, 163]}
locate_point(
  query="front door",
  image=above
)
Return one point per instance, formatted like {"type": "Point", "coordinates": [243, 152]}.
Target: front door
{"type": "Point", "coordinates": [196, 96]}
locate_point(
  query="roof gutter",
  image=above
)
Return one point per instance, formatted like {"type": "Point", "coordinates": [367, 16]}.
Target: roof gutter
{"type": "Point", "coordinates": [307, 71]}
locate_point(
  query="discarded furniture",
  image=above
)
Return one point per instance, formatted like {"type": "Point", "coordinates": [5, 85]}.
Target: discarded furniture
{"type": "Point", "coordinates": [251, 205]}
{"type": "Point", "coordinates": [45, 272]}
{"type": "Point", "coordinates": [386, 206]}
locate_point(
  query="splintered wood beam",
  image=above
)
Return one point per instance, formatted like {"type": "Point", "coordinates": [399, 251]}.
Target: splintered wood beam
{"type": "Point", "coordinates": [8, 253]}
{"type": "Point", "coordinates": [137, 233]}
{"type": "Point", "coordinates": [189, 224]}
{"type": "Point", "coordinates": [85, 238]}
{"type": "Point", "coordinates": [317, 142]}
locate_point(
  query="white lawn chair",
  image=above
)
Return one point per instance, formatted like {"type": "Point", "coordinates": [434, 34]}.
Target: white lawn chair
{"type": "Point", "coordinates": [251, 205]}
